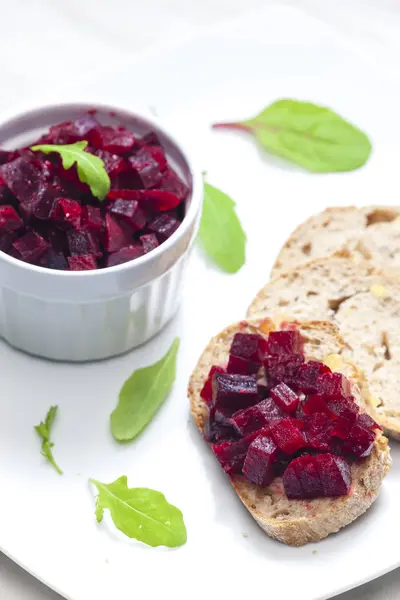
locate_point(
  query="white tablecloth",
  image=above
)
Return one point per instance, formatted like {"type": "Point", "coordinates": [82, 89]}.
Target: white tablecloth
{"type": "Point", "coordinates": [44, 42]}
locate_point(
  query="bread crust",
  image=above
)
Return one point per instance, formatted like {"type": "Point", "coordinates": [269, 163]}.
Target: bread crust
{"type": "Point", "coordinates": [296, 522]}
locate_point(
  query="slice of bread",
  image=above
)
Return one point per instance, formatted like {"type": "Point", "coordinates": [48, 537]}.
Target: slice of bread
{"type": "Point", "coordinates": [297, 522]}
{"type": "Point", "coordinates": [369, 233]}
{"type": "Point", "coordinates": [362, 302]}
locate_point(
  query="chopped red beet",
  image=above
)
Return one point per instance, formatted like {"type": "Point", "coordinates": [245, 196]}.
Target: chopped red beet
{"type": "Point", "coordinates": [149, 242]}
{"type": "Point", "coordinates": [9, 219]}
{"type": "Point", "coordinates": [285, 398]}
{"type": "Point", "coordinates": [242, 366]}
{"type": "Point", "coordinates": [22, 177]}
{"type": "Point", "coordinates": [84, 262]}
{"type": "Point", "coordinates": [146, 168]}
{"type": "Point", "coordinates": [360, 440]}
{"type": "Point", "coordinates": [231, 454]}
{"type": "Point", "coordinates": [260, 460]}
{"type": "Point", "coordinates": [163, 226]}
{"type": "Point", "coordinates": [157, 153]}
{"type": "Point", "coordinates": [117, 234]}
{"type": "Point", "coordinates": [333, 384]}
{"type": "Point", "coordinates": [252, 419]}
{"type": "Point", "coordinates": [285, 342]}
{"type": "Point", "coordinates": [78, 242]}
{"type": "Point", "coordinates": [67, 211]}
{"type": "Point", "coordinates": [287, 435]}
{"type": "Point", "coordinates": [155, 200]}
{"type": "Point", "coordinates": [113, 164]}
{"type": "Point", "coordinates": [6, 239]}
{"type": "Point", "coordinates": [124, 255]}
{"type": "Point", "coordinates": [309, 374]}
{"type": "Point", "coordinates": [112, 140]}
{"type": "Point", "coordinates": [283, 368]}
{"type": "Point", "coordinates": [318, 431]}
{"type": "Point", "coordinates": [233, 392]}
{"type": "Point", "coordinates": [171, 182]}
{"type": "Point", "coordinates": [130, 212]}
{"type": "Point", "coordinates": [334, 473]}
{"type": "Point", "coordinates": [249, 346]}
{"type": "Point", "coordinates": [30, 247]}
{"type": "Point", "coordinates": [206, 392]}
{"type": "Point", "coordinates": [91, 219]}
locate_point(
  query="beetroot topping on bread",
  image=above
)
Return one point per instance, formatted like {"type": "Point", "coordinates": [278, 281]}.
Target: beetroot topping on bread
{"type": "Point", "coordinates": [309, 427]}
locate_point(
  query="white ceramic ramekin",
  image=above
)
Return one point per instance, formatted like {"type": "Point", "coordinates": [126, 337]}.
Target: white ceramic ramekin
{"type": "Point", "coordinates": [89, 315]}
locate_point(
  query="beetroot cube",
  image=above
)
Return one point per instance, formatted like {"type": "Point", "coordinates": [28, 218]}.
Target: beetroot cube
{"type": "Point", "coordinates": [308, 376]}
{"type": "Point", "coordinates": [6, 239]}
{"type": "Point", "coordinates": [218, 427]}
{"type": "Point", "coordinates": [116, 141]}
{"type": "Point", "coordinates": [84, 262]}
{"type": "Point", "coordinates": [149, 242]}
{"type": "Point", "coordinates": [360, 441]}
{"type": "Point", "coordinates": [242, 366]}
{"type": "Point", "coordinates": [334, 473]}
{"type": "Point", "coordinates": [260, 460]}
{"type": "Point", "coordinates": [365, 421]}
{"type": "Point", "coordinates": [124, 255]}
{"type": "Point", "coordinates": [309, 478]}
{"type": "Point", "coordinates": [270, 410]}
{"type": "Point", "coordinates": [146, 168]}
{"type": "Point", "coordinates": [285, 342]}
{"type": "Point", "coordinates": [285, 398]}
{"type": "Point", "coordinates": [256, 417]}
{"type": "Point", "coordinates": [164, 226]}
{"type": "Point", "coordinates": [30, 247]}
{"type": "Point", "coordinates": [171, 182]}
{"type": "Point", "coordinates": [287, 436]}
{"type": "Point", "coordinates": [4, 156]}
{"type": "Point", "coordinates": [291, 482]}
{"type": "Point", "coordinates": [78, 242]}
{"type": "Point", "coordinates": [233, 392]}
{"type": "Point", "coordinates": [56, 261]}
{"type": "Point", "coordinates": [85, 124]}
{"type": "Point", "coordinates": [318, 431]}
{"type": "Point", "coordinates": [117, 234]}
{"type": "Point", "coordinates": [157, 153]}
{"type": "Point", "coordinates": [231, 454]}
{"type": "Point", "coordinates": [91, 219]}
{"type": "Point", "coordinates": [9, 219]}
{"type": "Point", "coordinates": [113, 164]}
{"type": "Point", "coordinates": [249, 346]}
{"type": "Point", "coordinates": [283, 368]}
{"type": "Point", "coordinates": [22, 177]}
{"type": "Point", "coordinates": [333, 384]}
{"type": "Point", "coordinates": [130, 212]}
{"type": "Point", "coordinates": [149, 139]}
{"type": "Point", "coordinates": [68, 211]}
{"type": "Point", "coordinates": [70, 132]}
{"type": "Point", "coordinates": [315, 404]}
{"type": "Point", "coordinates": [206, 392]}
{"type": "Point", "coordinates": [154, 200]}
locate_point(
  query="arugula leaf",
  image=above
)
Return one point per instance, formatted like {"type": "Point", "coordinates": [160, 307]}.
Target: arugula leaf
{"type": "Point", "coordinates": [90, 168]}
{"type": "Point", "coordinates": [309, 135]}
{"type": "Point", "coordinates": [43, 429]}
{"type": "Point", "coordinates": [142, 395]}
{"type": "Point", "coordinates": [140, 513]}
{"type": "Point", "coordinates": [221, 234]}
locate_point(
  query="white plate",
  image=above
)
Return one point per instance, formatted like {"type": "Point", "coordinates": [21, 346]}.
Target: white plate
{"type": "Point", "coordinates": [46, 522]}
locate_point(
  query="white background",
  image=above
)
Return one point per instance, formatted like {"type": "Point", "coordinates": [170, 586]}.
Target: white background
{"type": "Point", "coordinates": [47, 43]}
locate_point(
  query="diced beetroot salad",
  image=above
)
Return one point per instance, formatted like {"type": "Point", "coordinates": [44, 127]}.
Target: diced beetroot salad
{"type": "Point", "coordinates": [273, 414]}
{"type": "Point", "coordinates": [48, 217]}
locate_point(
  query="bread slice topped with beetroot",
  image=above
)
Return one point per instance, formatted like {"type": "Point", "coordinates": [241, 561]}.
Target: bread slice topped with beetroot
{"type": "Point", "coordinates": [291, 434]}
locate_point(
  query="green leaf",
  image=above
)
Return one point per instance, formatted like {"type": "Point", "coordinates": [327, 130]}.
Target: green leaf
{"type": "Point", "coordinates": [44, 431]}
{"type": "Point", "coordinates": [142, 395]}
{"type": "Point", "coordinates": [221, 234]}
{"type": "Point", "coordinates": [90, 168]}
{"type": "Point", "coordinates": [309, 135]}
{"type": "Point", "coordinates": [140, 513]}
